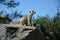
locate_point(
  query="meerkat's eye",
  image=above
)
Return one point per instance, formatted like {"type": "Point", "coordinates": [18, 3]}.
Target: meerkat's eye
{"type": "Point", "coordinates": [30, 12]}
{"type": "Point", "coordinates": [33, 11]}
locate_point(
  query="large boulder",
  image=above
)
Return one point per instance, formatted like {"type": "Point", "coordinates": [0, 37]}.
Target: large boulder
{"type": "Point", "coordinates": [17, 32]}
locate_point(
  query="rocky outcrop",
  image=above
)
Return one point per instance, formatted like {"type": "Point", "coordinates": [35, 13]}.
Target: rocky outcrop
{"type": "Point", "coordinates": [17, 32]}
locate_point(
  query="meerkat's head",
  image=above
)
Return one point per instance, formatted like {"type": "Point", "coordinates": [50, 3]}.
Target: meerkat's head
{"type": "Point", "coordinates": [32, 12]}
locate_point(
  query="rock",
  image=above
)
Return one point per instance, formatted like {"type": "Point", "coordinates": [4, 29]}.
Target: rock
{"type": "Point", "coordinates": [17, 32]}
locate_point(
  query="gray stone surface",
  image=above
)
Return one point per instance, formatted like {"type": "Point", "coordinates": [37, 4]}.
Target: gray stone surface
{"type": "Point", "coordinates": [17, 32]}
{"type": "Point", "coordinates": [22, 31]}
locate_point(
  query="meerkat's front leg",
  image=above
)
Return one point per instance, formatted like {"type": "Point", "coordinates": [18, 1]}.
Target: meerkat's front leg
{"type": "Point", "coordinates": [31, 23]}
{"type": "Point", "coordinates": [28, 22]}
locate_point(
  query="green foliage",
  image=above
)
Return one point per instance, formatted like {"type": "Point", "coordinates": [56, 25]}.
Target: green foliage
{"type": "Point", "coordinates": [2, 1]}
{"type": "Point", "coordinates": [4, 19]}
{"type": "Point", "coordinates": [10, 4]}
{"type": "Point", "coordinates": [9, 17]}
{"type": "Point", "coordinates": [49, 27]}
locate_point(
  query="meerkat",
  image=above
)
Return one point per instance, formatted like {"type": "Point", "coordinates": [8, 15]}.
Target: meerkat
{"type": "Point", "coordinates": [27, 20]}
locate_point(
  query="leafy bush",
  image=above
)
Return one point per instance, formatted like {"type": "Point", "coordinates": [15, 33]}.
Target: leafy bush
{"type": "Point", "coordinates": [49, 27]}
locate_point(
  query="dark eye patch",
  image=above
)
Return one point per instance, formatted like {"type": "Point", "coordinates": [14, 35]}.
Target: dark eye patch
{"type": "Point", "coordinates": [33, 11]}
{"type": "Point", "coordinates": [30, 12]}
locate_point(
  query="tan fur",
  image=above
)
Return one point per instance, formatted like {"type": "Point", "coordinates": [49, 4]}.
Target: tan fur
{"type": "Point", "coordinates": [27, 20]}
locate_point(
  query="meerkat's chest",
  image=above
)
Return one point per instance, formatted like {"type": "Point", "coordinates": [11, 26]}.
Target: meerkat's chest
{"type": "Point", "coordinates": [29, 16]}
